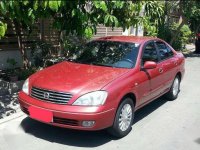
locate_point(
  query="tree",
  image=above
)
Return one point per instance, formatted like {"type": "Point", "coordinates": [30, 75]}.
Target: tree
{"type": "Point", "coordinates": [76, 17]}
{"type": "Point", "coordinates": [194, 20]}
{"type": "Point", "coordinates": [82, 17]}
{"type": "Point", "coordinates": [154, 17]}
{"type": "Point", "coordinates": [21, 14]}
{"type": "Point", "coordinates": [189, 12]}
{"type": "Point", "coordinates": [69, 17]}
{"type": "Point", "coordinates": [159, 23]}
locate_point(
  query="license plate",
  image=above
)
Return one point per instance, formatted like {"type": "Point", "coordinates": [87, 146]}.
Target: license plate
{"type": "Point", "coordinates": [40, 114]}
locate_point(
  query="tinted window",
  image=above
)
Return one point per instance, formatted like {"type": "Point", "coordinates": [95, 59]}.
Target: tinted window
{"type": "Point", "coordinates": [164, 50]}
{"type": "Point", "coordinates": [150, 53]}
{"type": "Point", "coordinates": [109, 53]}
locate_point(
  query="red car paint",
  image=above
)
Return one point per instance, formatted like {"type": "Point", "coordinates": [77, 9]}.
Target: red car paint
{"type": "Point", "coordinates": [79, 79]}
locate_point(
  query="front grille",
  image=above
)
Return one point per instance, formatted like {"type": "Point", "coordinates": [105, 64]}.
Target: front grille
{"type": "Point", "coordinates": [64, 121]}
{"type": "Point", "coordinates": [50, 96]}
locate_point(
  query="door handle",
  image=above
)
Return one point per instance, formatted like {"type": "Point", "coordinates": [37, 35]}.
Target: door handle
{"type": "Point", "coordinates": [160, 70]}
{"type": "Point", "coordinates": [175, 63]}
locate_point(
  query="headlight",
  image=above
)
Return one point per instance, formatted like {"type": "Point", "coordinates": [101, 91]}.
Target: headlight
{"type": "Point", "coordinates": [25, 87]}
{"type": "Point", "coordinates": [92, 99]}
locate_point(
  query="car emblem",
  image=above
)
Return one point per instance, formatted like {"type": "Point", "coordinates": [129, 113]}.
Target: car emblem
{"type": "Point", "coordinates": [46, 95]}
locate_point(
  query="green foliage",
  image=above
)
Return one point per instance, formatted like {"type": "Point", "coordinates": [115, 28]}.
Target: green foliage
{"type": "Point", "coordinates": [150, 28]}
{"type": "Point", "coordinates": [54, 5]}
{"type": "Point", "coordinates": [25, 73]}
{"type": "Point", "coordinates": [22, 13]}
{"type": "Point", "coordinates": [78, 18]}
{"type": "Point", "coordinates": [82, 17]}
{"type": "Point", "coordinates": [194, 18]}
{"type": "Point", "coordinates": [73, 17]}
{"type": "Point", "coordinates": [153, 18]}
{"type": "Point", "coordinates": [88, 33]}
{"type": "Point", "coordinates": [18, 11]}
{"type": "Point", "coordinates": [157, 22]}
{"type": "Point", "coordinates": [73, 45]}
{"type": "Point", "coordinates": [154, 10]}
{"type": "Point", "coordinates": [185, 34]}
{"type": "Point", "coordinates": [3, 28]}
{"type": "Point", "coordinates": [41, 51]}
{"type": "Point", "coordinates": [167, 32]}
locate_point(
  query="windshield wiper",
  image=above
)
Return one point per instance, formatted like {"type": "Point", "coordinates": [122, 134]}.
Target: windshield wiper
{"type": "Point", "coordinates": [78, 61]}
{"type": "Point", "coordinates": [102, 65]}
{"type": "Point", "coordinates": [89, 63]}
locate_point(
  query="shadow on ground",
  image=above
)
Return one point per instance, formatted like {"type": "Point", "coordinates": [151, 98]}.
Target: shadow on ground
{"type": "Point", "coordinates": [192, 54]}
{"type": "Point", "coordinates": [80, 138]}
{"type": "Point", "coordinates": [197, 141]}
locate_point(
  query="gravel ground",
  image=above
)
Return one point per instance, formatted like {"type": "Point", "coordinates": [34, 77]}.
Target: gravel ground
{"type": "Point", "coordinates": [8, 105]}
{"type": "Point", "coordinates": [8, 97]}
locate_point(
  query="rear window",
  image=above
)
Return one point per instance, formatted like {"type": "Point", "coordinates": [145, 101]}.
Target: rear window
{"type": "Point", "coordinates": [164, 50]}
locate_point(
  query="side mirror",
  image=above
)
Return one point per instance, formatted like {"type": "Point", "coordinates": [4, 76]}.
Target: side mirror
{"type": "Point", "coordinates": [150, 65]}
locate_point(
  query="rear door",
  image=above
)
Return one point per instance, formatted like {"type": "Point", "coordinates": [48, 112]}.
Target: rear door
{"type": "Point", "coordinates": [156, 75]}
{"type": "Point", "coordinates": [169, 63]}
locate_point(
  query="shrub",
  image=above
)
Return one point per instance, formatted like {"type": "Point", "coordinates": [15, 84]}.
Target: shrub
{"type": "Point", "coordinates": [166, 33]}
{"type": "Point", "coordinates": [72, 45]}
{"type": "Point", "coordinates": [24, 74]}
{"type": "Point", "coordinates": [41, 51]}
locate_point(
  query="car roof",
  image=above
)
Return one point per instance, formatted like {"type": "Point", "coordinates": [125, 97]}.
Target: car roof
{"type": "Point", "coordinates": [134, 39]}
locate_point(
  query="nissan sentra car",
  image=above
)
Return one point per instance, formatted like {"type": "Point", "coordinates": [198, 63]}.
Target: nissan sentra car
{"type": "Point", "coordinates": [110, 79]}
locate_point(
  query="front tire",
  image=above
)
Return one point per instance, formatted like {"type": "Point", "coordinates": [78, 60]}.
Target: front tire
{"type": "Point", "coordinates": [174, 90]}
{"type": "Point", "coordinates": [123, 119]}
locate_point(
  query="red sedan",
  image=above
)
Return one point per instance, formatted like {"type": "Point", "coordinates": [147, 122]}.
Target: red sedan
{"type": "Point", "coordinates": [104, 84]}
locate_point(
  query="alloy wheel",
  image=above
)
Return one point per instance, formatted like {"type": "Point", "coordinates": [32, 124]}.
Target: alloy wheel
{"type": "Point", "coordinates": [125, 117]}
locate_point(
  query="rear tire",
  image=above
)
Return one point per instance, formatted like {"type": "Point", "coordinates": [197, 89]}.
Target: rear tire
{"type": "Point", "coordinates": [174, 90]}
{"type": "Point", "coordinates": [123, 119]}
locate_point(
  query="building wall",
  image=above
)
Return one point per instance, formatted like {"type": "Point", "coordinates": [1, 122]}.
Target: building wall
{"type": "Point", "coordinates": [9, 44]}
{"type": "Point", "coordinates": [107, 31]}
{"type": "Point", "coordinates": [14, 54]}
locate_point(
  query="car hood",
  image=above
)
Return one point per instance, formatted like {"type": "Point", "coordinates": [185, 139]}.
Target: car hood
{"type": "Point", "coordinates": [75, 77]}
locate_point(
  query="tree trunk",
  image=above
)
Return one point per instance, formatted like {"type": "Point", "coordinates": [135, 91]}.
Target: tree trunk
{"type": "Point", "coordinates": [197, 29]}
{"type": "Point", "coordinates": [197, 40]}
{"type": "Point", "coordinates": [61, 40]}
{"type": "Point", "coordinates": [21, 45]}
{"type": "Point", "coordinates": [177, 32]}
{"type": "Point", "coordinates": [166, 13]}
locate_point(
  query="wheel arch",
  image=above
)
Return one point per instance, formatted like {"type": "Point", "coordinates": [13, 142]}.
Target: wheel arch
{"type": "Point", "coordinates": [179, 75]}
{"type": "Point", "coordinates": [129, 95]}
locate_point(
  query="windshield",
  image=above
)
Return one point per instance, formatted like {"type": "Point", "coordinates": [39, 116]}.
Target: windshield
{"type": "Point", "coordinates": [109, 53]}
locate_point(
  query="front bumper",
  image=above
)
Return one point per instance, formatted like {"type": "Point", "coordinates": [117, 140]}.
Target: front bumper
{"type": "Point", "coordinates": [69, 116]}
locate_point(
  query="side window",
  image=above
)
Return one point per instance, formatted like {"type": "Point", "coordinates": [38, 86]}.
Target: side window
{"type": "Point", "coordinates": [164, 50]}
{"type": "Point", "coordinates": [170, 52]}
{"type": "Point", "coordinates": [150, 53]}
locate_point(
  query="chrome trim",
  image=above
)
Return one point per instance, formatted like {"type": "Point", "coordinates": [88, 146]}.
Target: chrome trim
{"type": "Point", "coordinates": [54, 96]}
{"type": "Point", "coordinates": [68, 113]}
{"type": "Point", "coordinates": [55, 92]}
